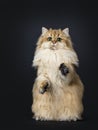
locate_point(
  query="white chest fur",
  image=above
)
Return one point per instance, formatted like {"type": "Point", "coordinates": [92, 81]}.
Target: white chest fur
{"type": "Point", "coordinates": [48, 61]}
{"type": "Point", "coordinates": [50, 58]}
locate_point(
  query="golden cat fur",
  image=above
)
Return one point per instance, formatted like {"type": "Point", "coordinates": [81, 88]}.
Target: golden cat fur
{"type": "Point", "coordinates": [62, 101]}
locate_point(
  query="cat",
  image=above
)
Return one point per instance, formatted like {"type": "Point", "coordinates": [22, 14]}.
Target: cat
{"type": "Point", "coordinates": [57, 90]}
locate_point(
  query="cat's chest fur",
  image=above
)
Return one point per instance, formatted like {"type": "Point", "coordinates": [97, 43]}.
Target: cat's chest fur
{"type": "Point", "coordinates": [53, 58]}
{"type": "Point", "coordinates": [49, 58]}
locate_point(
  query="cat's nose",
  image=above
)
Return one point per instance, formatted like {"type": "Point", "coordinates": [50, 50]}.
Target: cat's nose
{"type": "Point", "coordinates": [54, 42]}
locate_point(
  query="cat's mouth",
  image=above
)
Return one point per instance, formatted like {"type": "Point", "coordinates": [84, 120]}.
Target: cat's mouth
{"type": "Point", "coordinates": [53, 47]}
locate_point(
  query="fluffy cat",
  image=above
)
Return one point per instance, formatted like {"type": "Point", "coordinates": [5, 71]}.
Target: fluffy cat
{"type": "Point", "coordinates": [58, 90]}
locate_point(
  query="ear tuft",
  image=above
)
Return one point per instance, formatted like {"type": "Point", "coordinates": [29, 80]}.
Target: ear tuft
{"type": "Point", "coordinates": [66, 31]}
{"type": "Point", "coordinates": [44, 30]}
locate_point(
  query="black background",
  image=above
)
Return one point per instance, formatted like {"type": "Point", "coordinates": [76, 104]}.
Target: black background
{"type": "Point", "coordinates": [20, 26]}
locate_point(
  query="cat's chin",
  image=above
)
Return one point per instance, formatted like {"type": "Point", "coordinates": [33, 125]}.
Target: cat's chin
{"type": "Point", "coordinates": [53, 48]}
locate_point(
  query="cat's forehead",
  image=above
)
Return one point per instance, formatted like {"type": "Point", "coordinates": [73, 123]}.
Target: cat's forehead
{"type": "Point", "coordinates": [54, 32]}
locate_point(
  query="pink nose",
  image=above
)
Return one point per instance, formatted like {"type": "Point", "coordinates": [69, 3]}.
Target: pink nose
{"type": "Point", "coordinates": [54, 42]}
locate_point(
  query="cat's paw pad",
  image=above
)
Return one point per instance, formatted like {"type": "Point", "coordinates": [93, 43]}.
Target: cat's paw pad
{"type": "Point", "coordinates": [63, 68]}
{"type": "Point", "coordinates": [43, 87]}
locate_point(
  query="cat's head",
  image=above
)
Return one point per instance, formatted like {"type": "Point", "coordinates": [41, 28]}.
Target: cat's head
{"type": "Point", "coordinates": [54, 39]}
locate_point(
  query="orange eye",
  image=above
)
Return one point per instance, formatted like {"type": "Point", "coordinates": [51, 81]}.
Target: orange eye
{"type": "Point", "coordinates": [49, 38]}
{"type": "Point", "coordinates": [59, 39]}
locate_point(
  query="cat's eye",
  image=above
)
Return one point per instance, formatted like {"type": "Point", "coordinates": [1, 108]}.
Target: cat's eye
{"type": "Point", "coordinates": [49, 38]}
{"type": "Point", "coordinates": [59, 39]}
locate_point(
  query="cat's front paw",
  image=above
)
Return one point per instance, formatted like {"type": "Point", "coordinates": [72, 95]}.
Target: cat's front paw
{"type": "Point", "coordinates": [64, 70]}
{"type": "Point", "coordinates": [43, 87]}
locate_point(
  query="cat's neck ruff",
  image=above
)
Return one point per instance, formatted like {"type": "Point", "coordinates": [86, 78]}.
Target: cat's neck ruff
{"type": "Point", "coordinates": [59, 56]}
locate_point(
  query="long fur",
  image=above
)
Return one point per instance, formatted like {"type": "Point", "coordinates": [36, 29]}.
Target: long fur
{"type": "Point", "coordinates": [63, 99]}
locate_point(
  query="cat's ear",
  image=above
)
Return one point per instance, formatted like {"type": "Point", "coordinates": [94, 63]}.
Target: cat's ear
{"type": "Point", "coordinates": [66, 31]}
{"type": "Point", "coordinates": [44, 30]}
